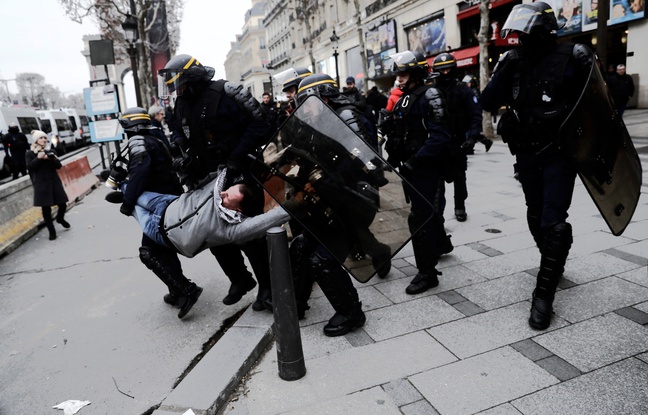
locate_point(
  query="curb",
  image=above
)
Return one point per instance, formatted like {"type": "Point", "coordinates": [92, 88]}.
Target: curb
{"type": "Point", "coordinates": [206, 388]}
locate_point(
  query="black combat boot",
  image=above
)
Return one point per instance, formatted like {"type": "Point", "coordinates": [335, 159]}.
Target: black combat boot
{"type": "Point", "coordinates": [555, 250]}
{"type": "Point", "coordinates": [182, 292]}
{"type": "Point", "coordinates": [239, 288]}
{"type": "Point", "coordinates": [426, 256]}
{"type": "Point", "coordinates": [336, 285]}
{"type": "Point", "coordinates": [257, 253]}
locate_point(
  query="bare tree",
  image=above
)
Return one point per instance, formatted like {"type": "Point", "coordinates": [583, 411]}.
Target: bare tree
{"type": "Point", "coordinates": [110, 14]}
{"type": "Point", "coordinates": [484, 74]}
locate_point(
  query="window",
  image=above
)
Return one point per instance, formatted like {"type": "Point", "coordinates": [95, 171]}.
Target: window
{"type": "Point", "coordinates": [27, 124]}
{"type": "Point", "coordinates": [63, 125]}
{"type": "Point", "coordinates": [46, 126]}
{"type": "Point", "coordinates": [72, 122]}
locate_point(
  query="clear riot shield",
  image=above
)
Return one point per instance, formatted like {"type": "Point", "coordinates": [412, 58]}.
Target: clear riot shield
{"type": "Point", "coordinates": [600, 145]}
{"type": "Point", "coordinates": [351, 191]}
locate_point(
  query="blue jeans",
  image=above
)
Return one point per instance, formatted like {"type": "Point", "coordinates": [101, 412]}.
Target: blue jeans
{"type": "Point", "coordinates": [148, 213]}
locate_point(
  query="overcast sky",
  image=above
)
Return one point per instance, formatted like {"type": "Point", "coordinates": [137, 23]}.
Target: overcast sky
{"type": "Point", "coordinates": [38, 37]}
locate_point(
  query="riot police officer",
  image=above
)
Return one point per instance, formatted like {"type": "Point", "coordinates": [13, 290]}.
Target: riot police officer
{"type": "Point", "coordinates": [219, 123]}
{"type": "Point", "coordinates": [416, 138]}
{"type": "Point", "coordinates": [16, 146]}
{"type": "Point", "coordinates": [289, 80]}
{"type": "Point", "coordinates": [149, 169]}
{"type": "Point", "coordinates": [540, 81]}
{"type": "Point", "coordinates": [465, 124]}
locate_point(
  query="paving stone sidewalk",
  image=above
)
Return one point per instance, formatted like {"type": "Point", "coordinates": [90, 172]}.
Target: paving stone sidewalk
{"type": "Point", "coordinates": [465, 347]}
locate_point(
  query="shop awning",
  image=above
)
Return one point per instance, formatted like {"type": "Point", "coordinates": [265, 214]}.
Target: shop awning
{"type": "Point", "coordinates": [466, 57]}
{"type": "Point", "coordinates": [474, 10]}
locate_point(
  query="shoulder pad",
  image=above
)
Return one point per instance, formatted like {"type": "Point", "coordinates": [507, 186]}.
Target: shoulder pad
{"type": "Point", "coordinates": [509, 55]}
{"type": "Point", "coordinates": [437, 104]}
{"type": "Point", "coordinates": [136, 146]}
{"type": "Point", "coordinates": [583, 55]}
{"type": "Point", "coordinates": [349, 117]}
{"type": "Point", "coordinates": [244, 99]}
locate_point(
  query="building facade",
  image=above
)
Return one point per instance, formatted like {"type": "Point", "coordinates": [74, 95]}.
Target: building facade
{"type": "Point", "coordinates": [355, 38]}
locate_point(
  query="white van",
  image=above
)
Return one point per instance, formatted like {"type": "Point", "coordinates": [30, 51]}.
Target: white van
{"type": "Point", "coordinates": [25, 118]}
{"type": "Point", "coordinates": [57, 123]}
{"type": "Point", "coordinates": [79, 122]}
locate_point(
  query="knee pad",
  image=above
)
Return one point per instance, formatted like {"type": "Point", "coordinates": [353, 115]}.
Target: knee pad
{"type": "Point", "coordinates": [146, 256]}
{"type": "Point", "coordinates": [558, 237]}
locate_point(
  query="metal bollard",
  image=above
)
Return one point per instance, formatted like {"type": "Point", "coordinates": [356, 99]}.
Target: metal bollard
{"type": "Point", "coordinates": [290, 356]}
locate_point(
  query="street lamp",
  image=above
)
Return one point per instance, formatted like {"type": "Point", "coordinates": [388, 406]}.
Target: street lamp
{"type": "Point", "coordinates": [334, 40]}
{"type": "Point", "coordinates": [270, 67]}
{"type": "Point", "coordinates": [131, 35]}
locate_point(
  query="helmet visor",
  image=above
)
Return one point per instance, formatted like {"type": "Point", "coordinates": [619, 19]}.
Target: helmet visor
{"type": "Point", "coordinates": [282, 78]}
{"type": "Point", "coordinates": [522, 19]}
{"type": "Point", "coordinates": [169, 83]}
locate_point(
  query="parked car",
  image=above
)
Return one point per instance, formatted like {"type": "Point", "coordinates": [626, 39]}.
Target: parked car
{"type": "Point", "coordinates": [57, 125]}
{"type": "Point", "coordinates": [79, 122]}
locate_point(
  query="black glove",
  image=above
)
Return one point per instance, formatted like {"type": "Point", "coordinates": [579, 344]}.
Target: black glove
{"type": "Point", "coordinates": [126, 209]}
{"type": "Point", "coordinates": [181, 163]}
{"type": "Point", "coordinates": [406, 169]}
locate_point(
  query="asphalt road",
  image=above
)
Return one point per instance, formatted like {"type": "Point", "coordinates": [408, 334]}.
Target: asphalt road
{"type": "Point", "coordinates": [83, 319]}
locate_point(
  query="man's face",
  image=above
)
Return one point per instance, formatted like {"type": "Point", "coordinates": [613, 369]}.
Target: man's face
{"type": "Point", "coordinates": [159, 116]}
{"type": "Point", "coordinates": [350, 85]}
{"type": "Point", "coordinates": [594, 5]}
{"type": "Point", "coordinates": [402, 78]}
{"type": "Point", "coordinates": [291, 92]}
{"type": "Point", "coordinates": [231, 198]}
{"type": "Point", "coordinates": [266, 99]}
{"type": "Point", "coordinates": [621, 70]}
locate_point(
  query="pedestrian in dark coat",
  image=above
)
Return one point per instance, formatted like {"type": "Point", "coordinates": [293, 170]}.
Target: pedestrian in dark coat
{"type": "Point", "coordinates": [42, 164]}
{"type": "Point", "coordinates": [621, 88]}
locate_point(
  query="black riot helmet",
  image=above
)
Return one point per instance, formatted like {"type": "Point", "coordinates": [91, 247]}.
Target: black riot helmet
{"type": "Point", "coordinates": [410, 62]}
{"type": "Point", "coordinates": [182, 70]}
{"type": "Point", "coordinates": [135, 119]}
{"type": "Point", "coordinates": [320, 85]}
{"type": "Point", "coordinates": [444, 61]}
{"type": "Point", "coordinates": [527, 19]}
{"type": "Point", "coordinates": [444, 65]}
{"type": "Point", "coordinates": [295, 78]}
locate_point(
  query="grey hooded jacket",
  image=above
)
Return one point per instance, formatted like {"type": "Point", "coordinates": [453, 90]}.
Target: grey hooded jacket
{"type": "Point", "coordinates": [197, 221]}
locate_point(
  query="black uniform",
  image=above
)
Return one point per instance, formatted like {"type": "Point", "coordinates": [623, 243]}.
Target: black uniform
{"type": "Point", "coordinates": [417, 145]}
{"type": "Point", "coordinates": [465, 120]}
{"type": "Point", "coordinates": [541, 82]}
{"type": "Point", "coordinates": [219, 122]}
{"type": "Point", "coordinates": [149, 169]}
{"type": "Point", "coordinates": [16, 145]}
